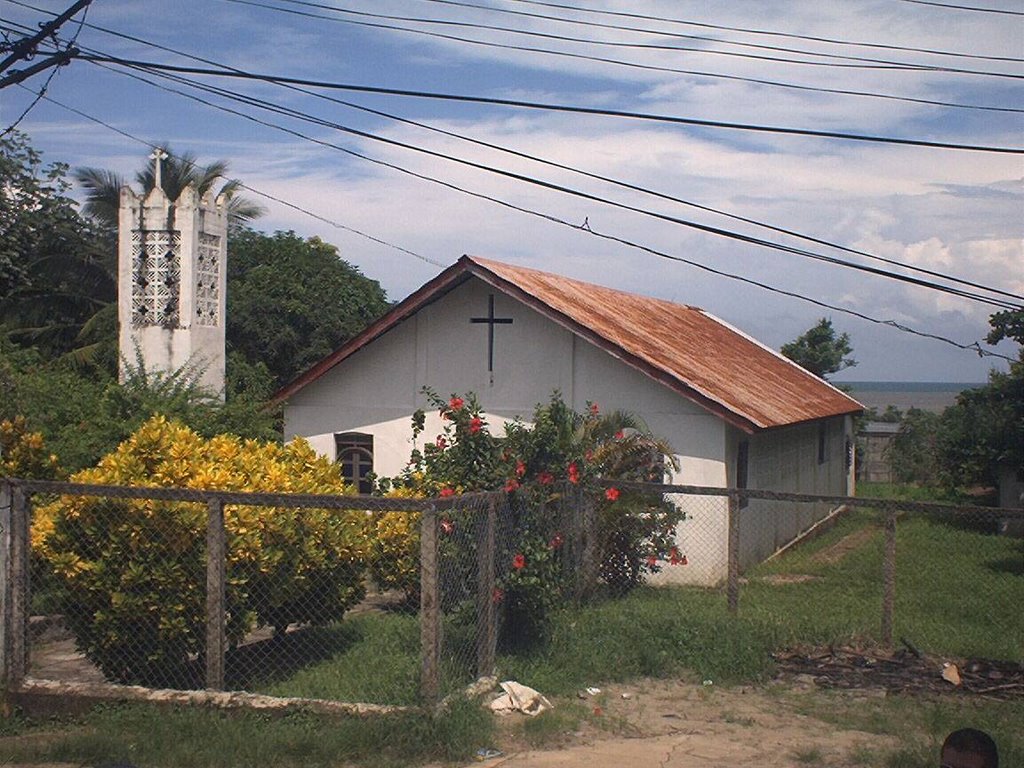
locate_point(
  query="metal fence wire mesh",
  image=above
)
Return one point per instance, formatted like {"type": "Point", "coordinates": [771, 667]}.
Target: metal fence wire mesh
{"type": "Point", "coordinates": [402, 602]}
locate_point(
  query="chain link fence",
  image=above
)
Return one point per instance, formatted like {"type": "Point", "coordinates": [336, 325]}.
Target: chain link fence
{"type": "Point", "coordinates": [385, 602]}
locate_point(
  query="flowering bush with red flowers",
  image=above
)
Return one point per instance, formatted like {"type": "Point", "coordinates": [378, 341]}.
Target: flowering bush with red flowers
{"type": "Point", "coordinates": [537, 464]}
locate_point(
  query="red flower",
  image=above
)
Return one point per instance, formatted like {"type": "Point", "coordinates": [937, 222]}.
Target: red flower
{"type": "Point", "coordinates": [589, 455]}
{"type": "Point", "coordinates": [520, 468]}
{"type": "Point", "coordinates": [594, 410]}
{"type": "Point", "coordinates": [447, 526]}
{"type": "Point", "coordinates": [456, 403]}
{"type": "Point", "coordinates": [446, 492]}
{"type": "Point", "coordinates": [674, 557]}
{"type": "Point", "coordinates": [511, 485]}
{"type": "Point", "coordinates": [611, 494]}
{"type": "Point", "coordinates": [441, 442]}
{"type": "Point", "coordinates": [474, 425]}
{"type": "Point", "coordinates": [519, 561]}
{"type": "Point", "coordinates": [545, 478]}
{"type": "Point", "coordinates": [497, 595]}
{"type": "Point", "coordinates": [574, 473]}
{"type": "Point", "coordinates": [652, 560]}
{"type": "Point", "coordinates": [556, 541]}
{"type": "Point", "coordinates": [619, 435]}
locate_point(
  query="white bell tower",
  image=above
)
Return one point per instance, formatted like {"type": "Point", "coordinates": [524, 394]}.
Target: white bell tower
{"type": "Point", "coordinates": [172, 281]}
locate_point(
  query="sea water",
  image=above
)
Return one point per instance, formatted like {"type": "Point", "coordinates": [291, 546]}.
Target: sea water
{"type": "Point", "coordinates": [933, 396]}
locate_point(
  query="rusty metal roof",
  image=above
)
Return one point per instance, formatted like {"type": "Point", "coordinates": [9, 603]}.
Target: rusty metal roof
{"type": "Point", "coordinates": [683, 347]}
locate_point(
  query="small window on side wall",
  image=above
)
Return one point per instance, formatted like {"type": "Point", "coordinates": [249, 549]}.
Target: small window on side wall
{"type": "Point", "coordinates": [354, 451]}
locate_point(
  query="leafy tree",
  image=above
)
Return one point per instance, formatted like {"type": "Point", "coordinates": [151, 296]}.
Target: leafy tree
{"type": "Point", "coordinates": [913, 452]}
{"type": "Point", "coordinates": [985, 428]}
{"type": "Point", "coordinates": [85, 413]}
{"type": "Point", "coordinates": [293, 301]}
{"type": "Point", "coordinates": [820, 350]}
{"type": "Point", "coordinates": [55, 275]}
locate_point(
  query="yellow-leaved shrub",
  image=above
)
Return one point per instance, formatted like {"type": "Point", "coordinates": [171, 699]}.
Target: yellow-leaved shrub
{"type": "Point", "coordinates": [132, 573]}
{"type": "Point", "coordinates": [395, 547]}
{"type": "Point", "coordinates": [23, 454]}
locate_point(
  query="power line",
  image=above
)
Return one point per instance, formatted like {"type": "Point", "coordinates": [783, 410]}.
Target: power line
{"type": "Point", "coordinates": [605, 179]}
{"type": "Point", "coordinates": [585, 227]}
{"type": "Point", "coordinates": [263, 104]}
{"type": "Point", "coordinates": [618, 28]}
{"type": "Point", "coordinates": [754, 31]}
{"type": "Point", "coordinates": [634, 65]}
{"type": "Point", "coordinates": [285, 111]}
{"type": "Point", "coordinates": [878, 63]}
{"type": "Point", "coordinates": [965, 7]}
{"type": "Point", "coordinates": [247, 187]}
{"type": "Point", "coordinates": [24, 47]}
{"type": "Point", "coordinates": [975, 346]}
{"type": "Point", "coordinates": [495, 101]}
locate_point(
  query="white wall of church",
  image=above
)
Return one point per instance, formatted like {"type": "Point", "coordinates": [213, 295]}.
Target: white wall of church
{"type": "Point", "coordinates": [804, 458]}
{"type": "Point", "coordinates": [376, 390]}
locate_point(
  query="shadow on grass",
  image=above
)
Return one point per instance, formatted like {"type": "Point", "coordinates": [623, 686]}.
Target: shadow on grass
{"type": "Point", "coordinates": [1011, 565]}
{"type": "Point", "coordinates": [278, 658]}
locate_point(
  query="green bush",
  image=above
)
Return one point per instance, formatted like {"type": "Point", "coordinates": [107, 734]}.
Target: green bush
{"type": "Point", "coordinates": [132, 573]}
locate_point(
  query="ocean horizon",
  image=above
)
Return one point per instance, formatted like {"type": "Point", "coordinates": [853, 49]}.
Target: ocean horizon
{"type": "Point", "coordinates": [933, 396]}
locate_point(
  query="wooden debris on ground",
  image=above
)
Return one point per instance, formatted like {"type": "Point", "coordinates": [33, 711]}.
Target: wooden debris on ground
{"type": "Point", "coordinates": [906, 670]}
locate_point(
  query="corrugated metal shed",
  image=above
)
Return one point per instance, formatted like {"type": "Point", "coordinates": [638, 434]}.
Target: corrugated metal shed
{"type": "Point", "coordinates": [683, 347]}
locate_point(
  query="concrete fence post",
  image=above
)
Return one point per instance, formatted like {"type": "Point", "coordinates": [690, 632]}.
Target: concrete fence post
{"type": "Point", "coordinates": [216, 569]}
{"type": "Point", "coordinates": [889, 577]}
{"type": "Point", "coordinates": [6, 503]}
{"type": "Point", "coordinates": [430, 610]}
{"type": "Point", "coordinates": [733, 553]}
{"type": "Point", "coordinates": [589, 566]}
{"type": "Point", "coordinates": [487, 635]}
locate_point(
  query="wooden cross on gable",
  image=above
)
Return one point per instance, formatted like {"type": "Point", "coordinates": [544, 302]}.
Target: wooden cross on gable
{"type": "Point", "coordinates": [491, 321]}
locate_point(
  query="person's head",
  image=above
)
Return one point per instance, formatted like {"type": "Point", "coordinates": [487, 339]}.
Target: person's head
{"type": "Point", "coordinates": [969, 748]}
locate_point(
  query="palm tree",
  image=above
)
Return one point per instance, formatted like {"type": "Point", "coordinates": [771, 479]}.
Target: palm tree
{"type": "Point", "coordinates": [178, 171]}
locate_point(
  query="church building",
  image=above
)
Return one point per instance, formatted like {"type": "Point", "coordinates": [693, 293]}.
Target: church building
{"type": "Point", "coordinates": [737, 413]}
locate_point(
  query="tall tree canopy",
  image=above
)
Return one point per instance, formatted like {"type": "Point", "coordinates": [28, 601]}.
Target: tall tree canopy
{"type": "Point", "coordinates": [820, 350]}
{"type": "Point", "coordinates": [292, 301]}
{"type": "Point", "coordinates": [55, 275]}
{"type": "Point", "coordinates": [985, 428]}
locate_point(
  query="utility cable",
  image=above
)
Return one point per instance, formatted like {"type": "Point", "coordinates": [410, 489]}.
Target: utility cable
{"type": "Point", "coordinates": [965, 7]}
{"type": "Point", "coordinates": [617, 28]}
{"type": "Point", "coordinates": [241, 185]}
{"type": "Point", "coordinates": [606, 179]}
{"type": "Point", "coordinates": [551, 107]}
{"type": "Point", "coordinates": [295, 114]}
{"type": "Point", "coordinates": [585, 227]}
{"type": "Point", "coordinates": [749, 30]}
{"type": "Point", "coordinates": [84, 5]}
{"type": "Point", "coordinates": [650, 67]}
{"type": "Point", "coordinates": [880, 64]}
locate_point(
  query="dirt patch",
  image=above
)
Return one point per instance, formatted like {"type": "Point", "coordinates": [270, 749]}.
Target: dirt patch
{"type": "Point", "coordinates": [849, 543]}
{"type": "Point", "coordinates": [673, 724]}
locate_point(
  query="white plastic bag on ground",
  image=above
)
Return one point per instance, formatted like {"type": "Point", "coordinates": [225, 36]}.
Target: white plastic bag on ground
{"type": "Point", "coordinates": [519, 698]}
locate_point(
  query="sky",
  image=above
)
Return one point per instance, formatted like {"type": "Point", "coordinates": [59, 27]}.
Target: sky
{"type": "Point", "coordinates": [400, 214]}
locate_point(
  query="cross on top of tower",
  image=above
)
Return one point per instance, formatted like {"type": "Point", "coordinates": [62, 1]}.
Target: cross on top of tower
{"type": "Point", "coordinates": [156, 157]}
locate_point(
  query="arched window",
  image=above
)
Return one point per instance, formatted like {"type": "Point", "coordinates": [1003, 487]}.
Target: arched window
{"type": "Point", "coordinates": [354, 451]}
